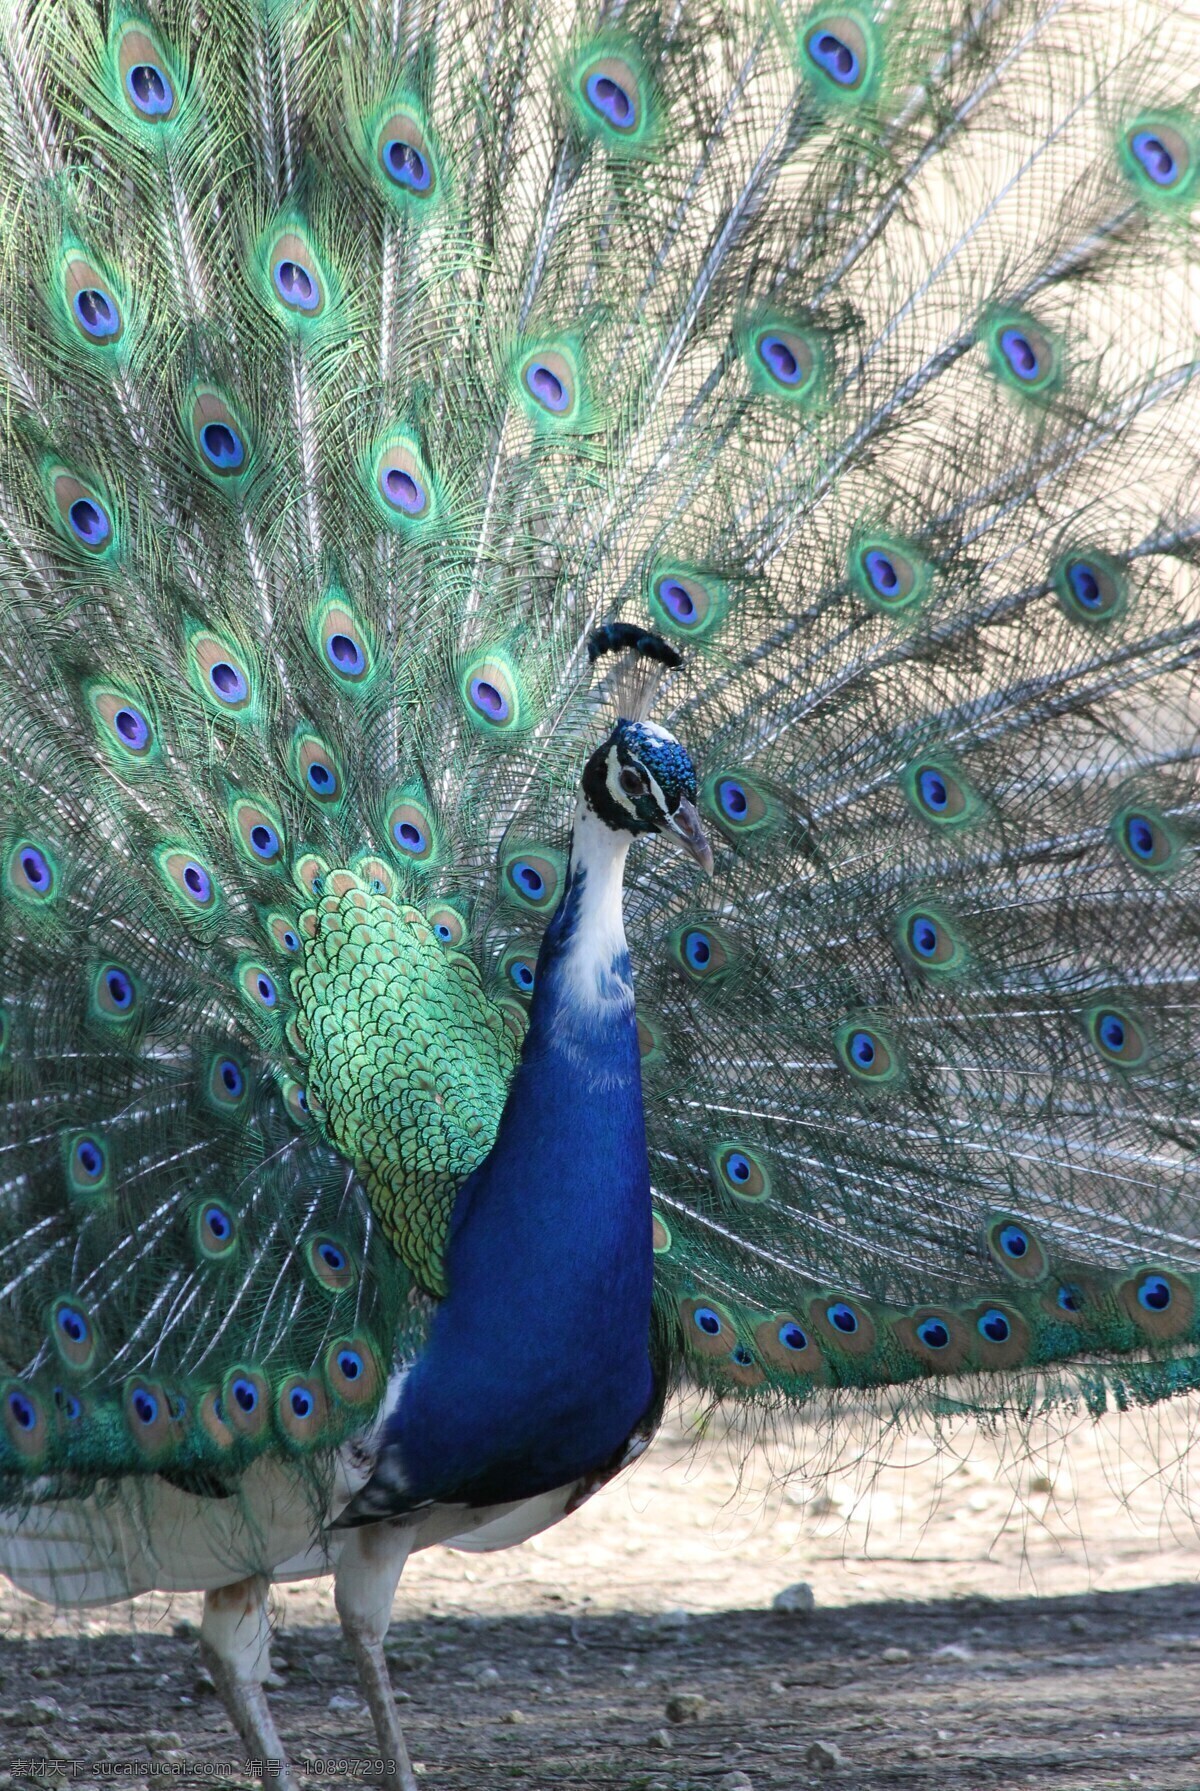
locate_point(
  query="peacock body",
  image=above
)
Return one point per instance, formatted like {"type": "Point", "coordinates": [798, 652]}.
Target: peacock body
{"type": "Point", "coordinates": [360, 363]}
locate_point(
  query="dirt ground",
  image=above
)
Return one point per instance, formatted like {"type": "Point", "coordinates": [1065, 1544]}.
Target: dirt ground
{"type": "Point", "coordinates": [990, 1614]}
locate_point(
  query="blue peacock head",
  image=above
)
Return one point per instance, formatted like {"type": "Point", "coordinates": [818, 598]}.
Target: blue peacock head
{"type": "Point", "coordinates": [642, 780]}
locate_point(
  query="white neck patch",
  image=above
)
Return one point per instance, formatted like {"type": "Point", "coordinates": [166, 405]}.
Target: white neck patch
{"type": "Point", "coordinates": [597, 943]}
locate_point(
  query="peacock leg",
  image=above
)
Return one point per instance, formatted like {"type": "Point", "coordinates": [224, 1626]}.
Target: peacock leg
{"type": "Point", "coordinates": [368, 1572]}
{"type": "Point", "coordinates": [235, 1647]}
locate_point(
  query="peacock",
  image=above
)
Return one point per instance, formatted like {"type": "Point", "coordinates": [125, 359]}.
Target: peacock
{"type": "Point", "coordinates": [502, 503]}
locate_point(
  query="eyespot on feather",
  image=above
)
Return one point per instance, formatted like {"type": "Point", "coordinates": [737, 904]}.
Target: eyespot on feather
{"type": "Point", "coordinates": [31, 873]}
{"type": "Point", "coordinates": [405, 157]}
{"type": "Point", "coordinates": [447, 925]}
{"type": "Point", "coordinates": [72, 1333]}
{"type": "Point", "coordinates": [868, 1052]}
{"type": "Point", "coordinates": [125, 726]}
{"type": "Point", "coordinates": [927, 938]}
{"type": "Point", "coordinates": [26, 1426]}
{"type": "Point", "coordinates": [352, 1370]}
{"type": "Point", "coordinates": [610, 90]}
{"type": "Point", "coordinates": [939, 793]}
{"type": "Point", "coordinates": [259, 988]}
{"type": "Point", "coordinates": [549, 384]}
{"type": "Point", "coordinates": [840, 56]}
{"type": "Point", "coordinates": [1092, 588]}
{"type": "Point", "coordinates": [246, 1402]}
{"type": "Point", "coordinates": [378, 876]}
{"type": "Point", "coordinates": [152, 1417]}
{"type": "Point", "coordinates": [531, 877]}
{"type": "Point", "coordinates": [1118, 1037]}
{"type": "Point", "coordinates": [296, 281]}
{"type": "Point", "coordinates": [708, 1327]}
{"type": "Point", "coordinates": [1000, 1337]}
{"type": "Point", "coordinates": [789, 1347]}
{"type": "Point", "coordinates": [1158, 152]}
{"type": "Point", "coordinates": [214, 1231]}
{"type": "Point", "coordinates": [219, 437]}
{"type": "Point", "coordinates": [492, 695]}
{"type": "Point", "coordinates": [660, 1234]}
{"type": "Point", "coordinates": [651, 1041]}
{"type": "Point", "coordinates": [736, 802]}
{"type": "Point", "coordinates": [210, 1414]}
{"type": "Point", "coordinates": [302, 1411]}
{"type": "Point", "coordinates": [1161, 1304]}
{"type": "Point", "coordinates": [83, 512]}
{"type": "Point", "coordinates": [1015, 1247]}
{"type": "Point", "coordinates": [843, 1323]}
{"type": "Point", "coordinates": [317, 770]}
{"type": "Point", "coordinates": [285, 934]}
{"type": "Point", "coordinates": [92, 302]}
{"type": "Point", "coordinates": [188, 880]}
{"type": "Point", "coordinates": [889, 575]}
{"type": "Point", "coordinates": [1022, 354]}
{"type": "Point", "coordinates": [258, 833]}
{"type": "Point", "coordinates": [342, 643]}
{"type": "Point", "coordinates": [1147, 839]}
{"type": "Point", "coordinates": [518, 968]}
{"type": "Point", "coordinates": [686, 601]}
{"type": "Point", "coordinates": [88, 1163]}
{"type": "Point", "coordinates": [115, 996]}
{"type": "Point", "coordinates": [702, 950]}
{"type": "Point", "coordinates": [309, 873]}
{"type": "Point", "coordinates": [221, 672]}
{"type": "Point", "coordinates": [226, 1082]}
{"type": "Point", "coordinates": [939, 1339]}
{"type": "Point", "coordinates": [401, 484]}
{"type": "Point", "coordinates": [330, 1263]}
{"type": "Point", "coordinates": [740, 1171]}
{"type": "Point", "coordinates": [411, 829]}
{"type": "Point", "coordinates": [147, 79]}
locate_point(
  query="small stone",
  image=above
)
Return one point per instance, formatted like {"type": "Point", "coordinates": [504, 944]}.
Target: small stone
{"type": "Point", "coordinates": [204, 1685]}
{"type": "Point", "coordinates": [1079, 1625]}
{"type": "Point", "coordinates": [342, 1701]}
{"type": "Point", "coordinates": [185, 1630]}
{"type": "Point", "coordinates": [41, 1671]}
{"type": "Point", "coordinates": [486, 1676]}
{"type": "Point", "coordinates": [798, 1600]}
{"type": "Point", "coordinates": [660, 1738]}
{"type": "Point", "coordinates": [684, 1707]}
{"type": "Point", "coordinates": [922, 1751]}
{"type": "Point", "coordinates": [274, 1682]}
{"type": "Point", "coordinates": [674, 1619]}
{"type": "Point", "coordinates": [826, 1756]}
{"type": "Point", "coordinates": [954, 1651]}
{"type": "Point", "coordinates": [32, 1708]}
{"type": "Point", "coordinates": [157, 1739]}
{"type": "Point", "coordinates": [896, 1657]}
{"type": "Point", "coordinates": [513, 1716]}
{"type": "Point", "coordinates": [778, 1688]}
{"type": "Point", "coordinates": [736, 1781]}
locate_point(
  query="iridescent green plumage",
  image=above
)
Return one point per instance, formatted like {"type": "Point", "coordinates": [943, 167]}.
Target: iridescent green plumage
{"type": "Point", "coordinates": [355, 363]}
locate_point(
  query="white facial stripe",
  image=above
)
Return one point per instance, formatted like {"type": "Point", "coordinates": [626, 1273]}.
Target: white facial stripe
{"type": "Point", "coordinates": [613, 780]}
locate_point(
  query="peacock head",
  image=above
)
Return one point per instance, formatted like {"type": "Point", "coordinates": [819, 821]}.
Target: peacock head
{"type": "Point", "coordinates": [642, 780]}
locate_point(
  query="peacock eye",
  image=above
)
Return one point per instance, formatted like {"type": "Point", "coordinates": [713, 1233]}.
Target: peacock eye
{"type": "Point", "coordinates": [632, 782]}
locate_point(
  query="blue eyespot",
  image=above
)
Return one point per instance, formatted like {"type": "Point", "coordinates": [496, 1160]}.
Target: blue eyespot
{"type": "Point", "coordinates": [842, 1317]}
{"type": "Point", "coordinates": [404, 490]}
{"type": "Point", "coordinates": [1110, 1030]}
{"type": "Point", "coordinates": [150, 90]}
{"type": "Point", "coordinates": [321, 778]}
{"type": "Point", "coordinates": [265, 987]}
{"type": "Point", "coordinates": [522, 974]}
{"type": "Point", "coordinates": [350, 1363]}
{"type": "Point", "coordinates": [231, 1078]}
{"type": "Point", "coordinates": [409, 837]}
{"type": "Point", "coordinates": [862, 1049]}
{"type": "Point", "coordinates": [289, 940]}
{"type": "Point", "coordinates": [1155, 157]}
{"type": "Point", "coordinates": [35, 868]}
{"type": "Point", "coordinates": [677, 600]}
{"type": "Point", "coordinates": [529, 879]}
{"type": "Point", "coordinates": [923, 935]}
{"type": "Point", "coordinates": [345, 655]}
{"type": "Point", "coordinates": [301, 1402]}
{"type": "Point", "coordinates": [792, 1337]}
{"type": "Point", "coordinates": [835, 57]}
{"type": "Point", "coordinates": [737, 1167]}
{"type": "Point", "coordinates": [1085, 585]}
{"type": "Point", "coordinates": [72, 1324]}
{"type": "Point", "coordinates": [931, 786]}
{"type": "Point", "coordinates": [145, 1406]}
{"type": "Point", "coordinates": [610, 100]}
{"type": "Point", "coordinates": [489, 699]}
{"type": "Point", "coordinates": [741, 1355]}
{"type": "Point", "coordinates": [1140, 837]}
{"type": "Point", "coordinates": [1070, 1298]}
{"type": "Point", "coordinates": [708, 1321]}
{"type": "Point", "coordinates": [733, 799]}
{"type": "Point", "coordinates": [89, 1161]}
{"type": "Point", "coordinates": [697, 949]}
{"type": "Point", "coordinates": [780, 360]}
{"type": "Point", "coordinates": [228, 682]}
{"type": "Point", "coordinates": [23, 1410]}
{"type": "Point", "coordinates": [1013, 1241]}
{"type": "Point", "coordinates": [994, 1326]}
{"type": "Point", "coordinates": [1021, 354]}
{"type": "Point", "coordinates": [245, 1394]}
{"type": "Point", "coordinates": [69, 1404]}
{"type": "Point", "coordinates": [933, 1333]}
{"type": "Point", "coordinates": [547, 387]}
{"type": "Point", "coordinates": [198, 883]}
{"type": "Point", "coordinates": [89, 521]}
{"type": "Point", "coordinates": [1154, 1293]}
{"type": "Point", "coordinates": [443, 932]}
{"type": "Point", "coordinates": [218, 1223]}
{"type": "Point", "coordinates": [885, 580]}
{"type": "Point", "coordinates": [332, 1257]}
{"type": "Point", "coordinates": [406, 165]}
{"type": "Point", "coordinates": [133, 727]}
{"type": "Point", "coordinates": [296, 286]}
{"type": "Point", "coordinates": [222, 446]}
{"type": "Point", "coordinates": [264, 842]}
{"type": "Point", "coordinates": [120, 989]}
{"type": "Point", "coordinates": [96, 312]}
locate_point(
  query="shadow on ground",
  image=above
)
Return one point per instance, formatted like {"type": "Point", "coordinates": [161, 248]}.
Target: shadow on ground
{"type": "Point", "coordinates": [970, 1694]}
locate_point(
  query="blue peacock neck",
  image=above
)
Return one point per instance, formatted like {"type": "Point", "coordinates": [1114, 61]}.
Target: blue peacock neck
{"type": "Point", "coordinates": [537, 1366]}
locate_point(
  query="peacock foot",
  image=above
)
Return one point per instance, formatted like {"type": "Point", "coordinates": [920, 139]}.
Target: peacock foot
{"type": "Point", "coordinates": [368, 1572]}
{"type": "Point", "coordinates": [235, 1647]}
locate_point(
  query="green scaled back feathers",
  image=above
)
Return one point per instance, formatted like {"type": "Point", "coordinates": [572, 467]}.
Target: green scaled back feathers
{"type": "Point", "coordinates": [355, 363]}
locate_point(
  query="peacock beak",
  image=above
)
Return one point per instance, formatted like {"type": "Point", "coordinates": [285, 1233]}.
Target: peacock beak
{"type": "Point", "coordinates": [685, 823]}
